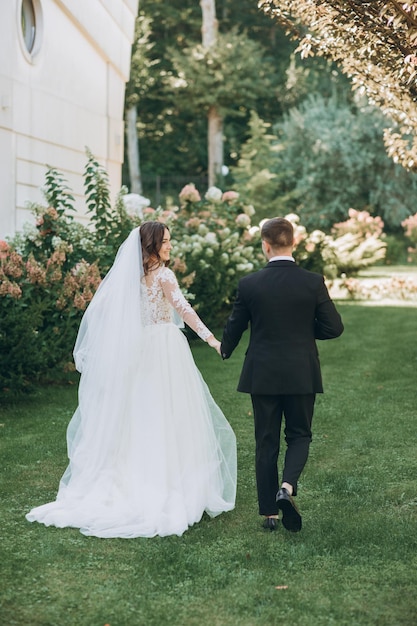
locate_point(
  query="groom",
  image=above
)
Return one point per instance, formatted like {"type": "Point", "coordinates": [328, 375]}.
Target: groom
{"type": "Point", "coordinates": [288, 308]}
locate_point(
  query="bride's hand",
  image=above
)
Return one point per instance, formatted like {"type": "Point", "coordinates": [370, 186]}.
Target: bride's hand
{"type": "Point", "coordinates": [214, 343]}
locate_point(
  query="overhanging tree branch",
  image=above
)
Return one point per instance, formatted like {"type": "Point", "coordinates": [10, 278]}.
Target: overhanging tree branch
{"type": "Point", "coordinates": [375, 43]}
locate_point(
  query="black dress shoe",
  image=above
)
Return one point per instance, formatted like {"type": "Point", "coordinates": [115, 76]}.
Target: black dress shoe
{"type": "Point", "coordinates": [270, 523]}
{"type": "Point", "coordinates": [291, 518]}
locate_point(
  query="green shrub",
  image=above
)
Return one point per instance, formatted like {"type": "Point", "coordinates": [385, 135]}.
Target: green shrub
{"type": "Point", "coordinates": [396, 252]}
{"type": "Point", "coordinates": [22, 354]}
{"type": "Point", "coordinates": [110, 225]}
{"type": "Point", "coordinates": [325, 156]}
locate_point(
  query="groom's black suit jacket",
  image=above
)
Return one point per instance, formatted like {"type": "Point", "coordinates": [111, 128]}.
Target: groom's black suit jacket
{"type": "Point", "coordinates": [288, 308]}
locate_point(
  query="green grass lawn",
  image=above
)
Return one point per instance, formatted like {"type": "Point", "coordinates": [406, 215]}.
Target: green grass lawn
{"type": "Point", "coordinates": [354, 563]}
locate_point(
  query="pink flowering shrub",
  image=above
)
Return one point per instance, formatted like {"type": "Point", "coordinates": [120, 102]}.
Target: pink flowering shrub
{"type": "Point", "coordinates": [355, 244]}
{"type": "Point", "coordinates": [361, 223]}
{"type": "Point", "coordinates": [189, 193]}
{"type": "Point", "coordinates": [410, 230]}
{"type": "Point", "coordinates": [230, 196]}
{"type": "Point", "coordinates": [40, 309]}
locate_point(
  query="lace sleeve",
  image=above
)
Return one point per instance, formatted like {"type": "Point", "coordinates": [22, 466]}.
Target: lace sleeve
{"type": "Point", "coordinates": [173, 294]}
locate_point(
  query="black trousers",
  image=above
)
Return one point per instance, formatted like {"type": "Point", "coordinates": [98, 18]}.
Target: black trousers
{"type": "Point", "coordinates": [268, 412]}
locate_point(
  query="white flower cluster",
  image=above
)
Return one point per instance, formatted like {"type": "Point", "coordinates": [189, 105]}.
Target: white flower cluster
{"type": "Point", "coordinates": [30, 233]}
{"type": "Point", "coordinates": [59, 244]}
{"type": "Point", "coordinates": [135, 203]}
{"type": "Point", "coordinates": [218, 252]}
{"type": "Point", "coordinates": [213, 194]}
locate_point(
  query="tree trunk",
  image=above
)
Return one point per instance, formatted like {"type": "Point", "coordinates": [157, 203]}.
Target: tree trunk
{"type": "Point", "coordinates": [215, 120]}
{"type": "Point", "coordinates": [133, 151]}
{"type": "Point", "coordinates": [215, 145]}
{"type": "Point", "coordinates": [209, 27]}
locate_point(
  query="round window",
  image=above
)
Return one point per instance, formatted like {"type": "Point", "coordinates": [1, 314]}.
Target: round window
{"type": "Point", "coordinates": [30, 25]}
{"type": "Point", "coordinates": [28, 18]}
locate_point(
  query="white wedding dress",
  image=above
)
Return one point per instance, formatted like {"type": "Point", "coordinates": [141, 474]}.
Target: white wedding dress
{"type": "Point", "coordinates": [149, 449]}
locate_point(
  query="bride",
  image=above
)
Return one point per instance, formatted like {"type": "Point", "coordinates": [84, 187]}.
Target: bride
{"type": "Point", "coordinates": [149, 449]}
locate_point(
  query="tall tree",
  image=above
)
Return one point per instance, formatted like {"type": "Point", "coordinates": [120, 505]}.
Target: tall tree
{"type": "Point", "coordinates": [215, 120]}
{"type": "Point", "coordinates": [223, 80]}
{"type": "Point", "coordinates": [141, 79]}
{"type": "Point", "coordinates": [169, 121]}
{"type": "Point", "coordinates": [375, 43]}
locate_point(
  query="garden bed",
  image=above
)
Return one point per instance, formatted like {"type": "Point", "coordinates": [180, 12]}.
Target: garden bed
{"type": "Point", "coordinates": [378, 285]}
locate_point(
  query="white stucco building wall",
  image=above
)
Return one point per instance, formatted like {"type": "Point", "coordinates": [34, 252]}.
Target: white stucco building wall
{"type": "Point", "coordinates": [60, 91]}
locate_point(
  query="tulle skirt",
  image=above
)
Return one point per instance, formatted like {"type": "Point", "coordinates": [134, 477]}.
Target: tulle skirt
{"type": "Point", "coordinates": [150, 458]}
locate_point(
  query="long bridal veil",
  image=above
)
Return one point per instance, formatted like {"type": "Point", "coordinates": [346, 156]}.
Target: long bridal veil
{"type": "Point", "coordinates": [109, 341]}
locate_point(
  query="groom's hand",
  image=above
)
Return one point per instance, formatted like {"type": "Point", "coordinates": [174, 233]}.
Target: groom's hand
{"type": "Point", "coordinates": [223, 353]}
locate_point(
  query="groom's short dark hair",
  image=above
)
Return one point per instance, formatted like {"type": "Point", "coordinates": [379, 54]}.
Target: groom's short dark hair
{"type": "Point", "coordinates": [278, 232]}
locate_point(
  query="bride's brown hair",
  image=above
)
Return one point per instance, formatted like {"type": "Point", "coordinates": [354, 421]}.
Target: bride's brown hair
{"type": "Point", "coordinates": [152, 236]}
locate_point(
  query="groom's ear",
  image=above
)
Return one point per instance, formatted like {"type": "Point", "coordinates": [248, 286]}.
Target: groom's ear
{"type": "Point", "coordinates": [266, 247]}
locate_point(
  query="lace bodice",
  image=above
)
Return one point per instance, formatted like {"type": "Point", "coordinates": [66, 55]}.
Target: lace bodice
{"type": "Point", "coordinates": [160, 294]}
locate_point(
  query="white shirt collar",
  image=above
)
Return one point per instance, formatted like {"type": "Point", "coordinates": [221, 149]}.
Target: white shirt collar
{"type": "Point", "coordinates": [282, 258]}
